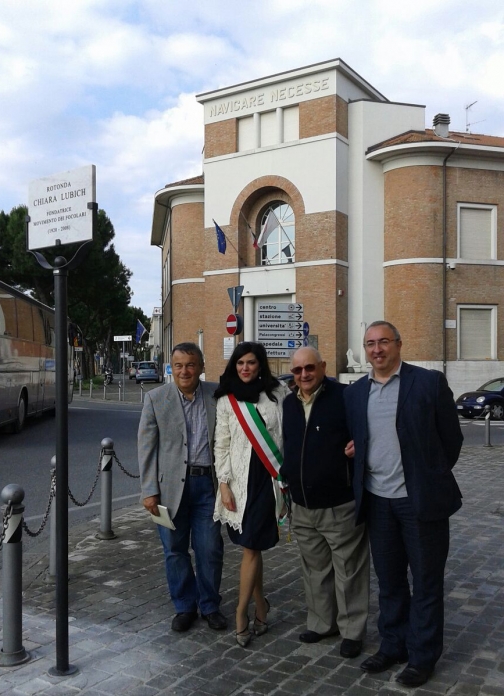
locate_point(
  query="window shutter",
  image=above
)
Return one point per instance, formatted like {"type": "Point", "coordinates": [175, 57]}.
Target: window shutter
{"type": "Point", "coordinates": [475, 334]}
{"type": "Point", "coordinates": [475, 233]}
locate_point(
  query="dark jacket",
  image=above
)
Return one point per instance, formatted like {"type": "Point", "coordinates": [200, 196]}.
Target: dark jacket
{"type": "Point", "coordinates": [315, 467]}
{"type": "Point", "coordinates": [429, 435]}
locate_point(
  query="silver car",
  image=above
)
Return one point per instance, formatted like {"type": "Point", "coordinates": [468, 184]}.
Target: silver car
{"type": "Point", "coordinates": [147, 372]}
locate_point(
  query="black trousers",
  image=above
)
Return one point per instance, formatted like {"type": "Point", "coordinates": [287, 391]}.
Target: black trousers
{"type": "Point", "coordinates": [410, 620]}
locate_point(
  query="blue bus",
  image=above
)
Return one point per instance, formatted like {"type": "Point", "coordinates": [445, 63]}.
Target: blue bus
{"type": "Point", "coordinates": [27, 358]}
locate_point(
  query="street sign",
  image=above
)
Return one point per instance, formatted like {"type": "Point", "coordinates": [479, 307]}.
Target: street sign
{"type": "Point", "coordinates": [267, 335]}
{"type": "Point", "coordinates": [58, 208]}
{"type": "Point", "coordinates": [235, 296]}
{"type": "Point", "coordinates": [291, 344]}
{"type": "Point", "coordinates": [280, 327]}
{"type": "Point", "coordinates": [234, 324]}
{"type": "Point", "coordinates": [122, 338]}
{"type": "Point", "coordinates": [228, 348]}
{"type": "Point", "coordinates": [306, 329]}
{"type": "Point", "coordinates": [280, 307]}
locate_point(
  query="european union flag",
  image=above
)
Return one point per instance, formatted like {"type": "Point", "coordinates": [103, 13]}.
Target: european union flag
{"type": "Point", "coordinates": [221, 238]}
{"type": "Point", "coordinates": [140, 331]}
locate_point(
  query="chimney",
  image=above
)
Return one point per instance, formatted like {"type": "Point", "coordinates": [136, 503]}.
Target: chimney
{"type": "Point", "coordinates": [441, 124]}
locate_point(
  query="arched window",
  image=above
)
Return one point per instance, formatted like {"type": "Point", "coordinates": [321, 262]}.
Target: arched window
{"type": "Point", "coordinates": [277, 238]}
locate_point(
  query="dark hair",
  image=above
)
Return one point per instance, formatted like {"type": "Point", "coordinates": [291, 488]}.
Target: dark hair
{"type": "Point", "coordinates": [268, 382]}
{"type": "Point", "coordinates": [190, 348]}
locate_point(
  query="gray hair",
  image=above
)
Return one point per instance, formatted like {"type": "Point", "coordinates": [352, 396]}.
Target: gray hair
{"type": "Point", "coordinates": [381, 322]}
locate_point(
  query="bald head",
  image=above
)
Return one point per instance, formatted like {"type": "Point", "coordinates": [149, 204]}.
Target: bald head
{"type": "Point", "coordinates": [308, 369]}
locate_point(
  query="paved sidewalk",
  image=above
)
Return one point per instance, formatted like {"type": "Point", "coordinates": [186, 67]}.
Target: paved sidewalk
{"type": "Point", "coordinates": [120, 637]}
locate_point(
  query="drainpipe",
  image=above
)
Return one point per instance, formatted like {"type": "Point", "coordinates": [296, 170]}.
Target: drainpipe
{"type": "Point", "coordinates": [445, 235]}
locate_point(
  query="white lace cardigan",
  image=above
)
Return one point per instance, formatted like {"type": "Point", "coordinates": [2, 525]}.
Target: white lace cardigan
{"type": "Point", "coordinates": [232, 450]}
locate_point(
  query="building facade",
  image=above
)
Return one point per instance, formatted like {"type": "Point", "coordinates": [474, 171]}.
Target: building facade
{"type": "Point", "coordinates": [374, 216]}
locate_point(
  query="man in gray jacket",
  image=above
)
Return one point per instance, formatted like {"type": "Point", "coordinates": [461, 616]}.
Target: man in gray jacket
{"type": "Point", "coordinates": [175, 455]}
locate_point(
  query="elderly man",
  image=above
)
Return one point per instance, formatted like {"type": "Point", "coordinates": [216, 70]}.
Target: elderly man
{"type": "Point", "coordinates": [407, 439]}
{"type": "Point", "coordinates": [334, 552]}
{"type": "Point", "coordinates": [175, 453]}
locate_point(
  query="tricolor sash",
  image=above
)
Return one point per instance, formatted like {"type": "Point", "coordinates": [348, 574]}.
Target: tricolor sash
{"type": "Point", "coordinates": [258, 435]}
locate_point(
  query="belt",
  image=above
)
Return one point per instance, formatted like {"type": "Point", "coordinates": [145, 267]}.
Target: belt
{"type": "Point", "coordinates": [199, 470]}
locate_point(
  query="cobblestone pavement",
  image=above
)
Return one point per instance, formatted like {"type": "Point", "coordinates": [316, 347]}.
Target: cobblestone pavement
{"type": "Point", "coordinates": [120, 614]}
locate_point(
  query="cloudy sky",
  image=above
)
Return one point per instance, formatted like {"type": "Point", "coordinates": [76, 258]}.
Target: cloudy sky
{"type": "Point", "coordinates": [112, 83]}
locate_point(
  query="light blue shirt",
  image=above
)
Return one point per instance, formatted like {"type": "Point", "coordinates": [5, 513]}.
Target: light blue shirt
{"type": "Point", "coordinates": [195, 416]}
{"type": "Point", "coordinates": [384, 469]}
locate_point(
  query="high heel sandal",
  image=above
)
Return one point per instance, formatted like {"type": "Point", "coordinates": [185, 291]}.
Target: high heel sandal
{"type": "Point", "coordinates": [261, 627]}
{"type": "Point", "coordinates": [243, 637]}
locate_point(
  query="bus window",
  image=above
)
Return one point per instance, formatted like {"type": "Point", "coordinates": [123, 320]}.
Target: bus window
{"type": "Point", "coordinates": [8, 309]}
{"type": "Point", "coordinates": [24, 321]}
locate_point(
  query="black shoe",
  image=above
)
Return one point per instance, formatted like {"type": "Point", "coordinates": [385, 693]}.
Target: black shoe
{"type": "Point", "coordinates": [314, 637]}
{"type": "Point", "coordinates": [414, 676]}
{"type": "Point", "coordinates": [350, 648]}
{"type": "Point", "coordinates": [215, 620]}
{"type": "Point", "coordinates": [379, 662]}
{"type": "Point", "coordinates": [183, 621]}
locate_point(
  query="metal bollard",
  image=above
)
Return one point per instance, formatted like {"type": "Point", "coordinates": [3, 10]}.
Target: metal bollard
{"type": "Point", "coordinates": [487, 428]}
{"type": "Point", "coordinates": [141, 392]}
{"type": "Point", "coordinates": [120, 387]}
{"type": "Point", "coordinates": [104, 392]}
{"type": "Point", "coordinates": [52, 530]}
{"type": "Point", "coordinates": [90, 388]}
{"type": "Point", "coordinates": [80, 387]}
{"type": "Point", "coordinates": [106, 531]}
{"type": "Point", "coordinates": [13, 652]}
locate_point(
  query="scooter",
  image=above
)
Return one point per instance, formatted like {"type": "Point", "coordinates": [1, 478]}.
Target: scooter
{"type": "Point", "coordinates": [109, 376]}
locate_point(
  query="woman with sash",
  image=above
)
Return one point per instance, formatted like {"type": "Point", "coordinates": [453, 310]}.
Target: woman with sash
{"type": "Point", "coordinates": [248, 444]}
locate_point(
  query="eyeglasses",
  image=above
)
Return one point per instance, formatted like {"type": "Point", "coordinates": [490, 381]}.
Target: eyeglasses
{"type": "Point", "coordinates": [306, 368]}
{"type": "Point", "coordinates": [380, 343]}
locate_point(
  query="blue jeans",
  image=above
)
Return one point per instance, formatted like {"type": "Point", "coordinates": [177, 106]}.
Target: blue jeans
{"type": "Point", "coordinates": [411, 621]}
{"type": "Point", "coordinates": [194, 522]}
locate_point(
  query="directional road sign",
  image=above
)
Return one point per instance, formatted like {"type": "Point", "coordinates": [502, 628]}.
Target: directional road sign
{"type": "Point", "coordinates": [122, 338]}
{"type": "Point", "coordinates": [280, 327]}
{"type": "Point", "coordinates": [291, 344]}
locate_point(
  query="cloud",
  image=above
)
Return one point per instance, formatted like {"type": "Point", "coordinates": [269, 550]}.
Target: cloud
{"type": "Point", "coordinates": [113, 83]}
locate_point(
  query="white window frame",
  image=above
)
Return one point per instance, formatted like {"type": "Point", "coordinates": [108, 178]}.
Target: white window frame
{"type": "Point", "coordinates": [493, 226]}
{"type": "Point", "coordinates": [493, 329]}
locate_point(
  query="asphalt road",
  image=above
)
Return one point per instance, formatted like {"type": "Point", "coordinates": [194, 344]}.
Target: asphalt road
{"type": "Point", "coordinates": [474, 432]}
{"type": "Point", "coordinates": [25, 458]}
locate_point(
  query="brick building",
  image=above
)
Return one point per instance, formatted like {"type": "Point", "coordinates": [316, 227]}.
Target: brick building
{"type": "Point", "coordinates": [375, 217]}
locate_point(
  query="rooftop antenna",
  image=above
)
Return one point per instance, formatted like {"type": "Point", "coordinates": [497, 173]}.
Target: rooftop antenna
{"type": "Point", "coordinates": [473, 123]}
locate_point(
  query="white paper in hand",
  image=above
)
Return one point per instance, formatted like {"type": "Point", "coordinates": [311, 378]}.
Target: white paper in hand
{"type": "Point", "coordinates": [164, 517]}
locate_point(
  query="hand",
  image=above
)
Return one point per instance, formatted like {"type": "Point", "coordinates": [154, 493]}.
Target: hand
{"type": "Point", "coordinates": [227, 497]}
{"type": "Point", "coordinates": [151, 504]}
{"type": "Point", "coordinates": [350, 450]}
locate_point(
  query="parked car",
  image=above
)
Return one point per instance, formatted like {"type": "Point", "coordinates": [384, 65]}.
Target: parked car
{"type": "Point", "coordinates": [147, 372]}
{"type": "Point", "coordinates": [491, 394]}
{"type": "Point", "coordinates": [132, 370]}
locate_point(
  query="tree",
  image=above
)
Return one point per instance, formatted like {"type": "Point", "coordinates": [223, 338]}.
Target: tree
{"type": "Point", "coordinates": [98, 289]}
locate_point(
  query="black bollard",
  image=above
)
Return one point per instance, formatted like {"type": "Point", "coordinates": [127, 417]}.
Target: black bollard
{"type": "Point", "coordinates": [106, 531]}
{"type": "Point", "coordinates": [13, 652]}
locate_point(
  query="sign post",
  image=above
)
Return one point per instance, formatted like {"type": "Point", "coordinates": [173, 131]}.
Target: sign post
{"type": "Point", "coordinates": [62, 210]}
{"type": "Point", "coordinates": [123, 340]}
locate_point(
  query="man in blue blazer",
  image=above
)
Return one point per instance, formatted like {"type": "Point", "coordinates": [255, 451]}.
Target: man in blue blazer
{"type": "Point", "coordinates": [175, 455]}
{"type": "Point", "coordinates": [406, 440]}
